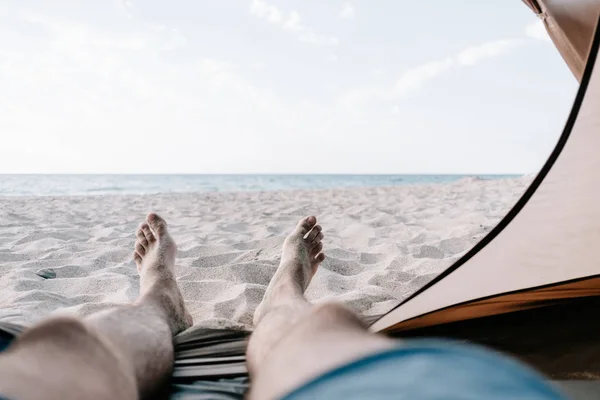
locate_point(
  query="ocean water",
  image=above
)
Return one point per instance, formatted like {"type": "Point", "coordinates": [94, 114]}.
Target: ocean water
{"type": "Point", "coordinates": [71, 185]}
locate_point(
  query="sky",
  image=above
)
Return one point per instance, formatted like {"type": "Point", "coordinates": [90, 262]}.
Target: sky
{"type": "Point", "coordinates": [278, 86]}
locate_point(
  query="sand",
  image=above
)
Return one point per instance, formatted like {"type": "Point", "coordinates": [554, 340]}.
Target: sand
{"type": "Point", "coordinates": [381, 243]}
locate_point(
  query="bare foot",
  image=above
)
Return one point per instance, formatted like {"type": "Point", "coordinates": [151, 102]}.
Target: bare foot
{"type": "Point", "coordinates": [154, 256]}
{"type": "Point", "coordinates": [300, 259]}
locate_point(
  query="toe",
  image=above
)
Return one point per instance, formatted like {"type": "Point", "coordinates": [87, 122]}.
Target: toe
{"type": "Point", "coordinates": [305, 225]}
{"type": "Point", "coordinates": [313, 233]}
{"type": "Point", "coordinates": [189, 319]}
{"type": "Point", "coordinates": [140, 249]}
{"type": "Point", "coordinates": [141, 239]}
{"type": "Point", "coordinates": [317, 249]}
{"type": "Point", "coordinates": [317, 239]}
{"type": "Point", "coordinates": [319, 258]}
{"type": "Point", "coordinates": [138, 261]}
{"type": "Point", "coordinates": [157, 224]}
{"type": "Point", "coordinates": [147, 232]}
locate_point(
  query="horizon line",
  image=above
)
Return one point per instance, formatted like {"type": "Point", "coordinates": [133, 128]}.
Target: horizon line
{"type": "Point", "coordinates": [266, 173]}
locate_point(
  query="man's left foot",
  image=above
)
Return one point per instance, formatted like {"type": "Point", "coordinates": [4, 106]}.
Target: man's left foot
{"type": "Point", "coordinates": [301, 256]}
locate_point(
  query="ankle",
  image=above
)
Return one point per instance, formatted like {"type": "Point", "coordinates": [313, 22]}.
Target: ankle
{"type": "Point", "coordinates": [284, 290]}
{"type": "Point", "coordinates": [284, 298]}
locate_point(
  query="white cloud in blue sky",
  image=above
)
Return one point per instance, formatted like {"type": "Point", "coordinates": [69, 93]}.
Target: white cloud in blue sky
{"type": "Point", "coordinates": [347, 11]}
{"type": "Point", "coordinates": [292, 22]}
{"type": "Point", "coordinates": [278, 86]}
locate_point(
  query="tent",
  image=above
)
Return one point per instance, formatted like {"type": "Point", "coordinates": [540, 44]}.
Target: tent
{"type": "Point", "coordinates": [531, 287]}
{"type": "Point", "coordinates": [545, 252]}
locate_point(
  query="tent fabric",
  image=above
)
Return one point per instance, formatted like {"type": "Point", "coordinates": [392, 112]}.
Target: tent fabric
{"type": "Point", "coordinates": [548, 246]}
{"type": "Point", "coordinates": [505, 303]}
{"type": "Point", "coordinates": [570, 24]}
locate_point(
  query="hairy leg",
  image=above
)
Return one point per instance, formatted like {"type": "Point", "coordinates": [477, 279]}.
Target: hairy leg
{"type": "Point", "coordinates": [295, 341]}
{"type": "Point", "coordinates": [121, 353]}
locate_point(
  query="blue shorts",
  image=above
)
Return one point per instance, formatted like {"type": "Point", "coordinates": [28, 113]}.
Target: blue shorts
{"type": "Point", "coordinates": [428, 370]}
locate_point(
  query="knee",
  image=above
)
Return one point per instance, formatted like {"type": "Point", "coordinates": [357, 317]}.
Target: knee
{"type": "Point", "coordinates": [65, 346]}
{"type": "Point", "coordinates": [67, 331]}
{"type": "Point", "coordinates": [331, 315]}
{"type": "Point", "coordinates": [319, 320]}
{"type": "Point", "coordinates": [69, 338]}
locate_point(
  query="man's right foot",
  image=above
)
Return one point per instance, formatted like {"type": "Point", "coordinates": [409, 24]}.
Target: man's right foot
{"type": "Point", "coordinates": [154, 256]}
{"type": "Point", "coordinates": [300, 259]}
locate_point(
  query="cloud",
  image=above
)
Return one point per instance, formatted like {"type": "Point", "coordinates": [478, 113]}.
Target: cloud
{"type": "Point", "coordinates": [85, 71]}
{"type": "Point", "coordinates": [221, 74]}
{"type": "Point", "coordinates": [127, 4]}
{"type": "Point", "coordinates": [474, 54]}
{"type": "Point", "coordinates": [125, 7]}
{"type": "Point", "coordinates": [537, 30]}
{"type": "Point", "coordinates": [78, 39]}
{"type": "Point", "coordinates": [266, 11]}
{"type": "Point", "coordinates": [362, 95]}
{"type": "Point", "coordinates": [347, 11]}
{"type": "Point", "coordinates": [414, 78]}
{"type": "Point", "coordinates": [92, 85]}
{"type": "Point", "coordinates": [292, 22]}
{"type": "Point", "coordinates": [224, 78]}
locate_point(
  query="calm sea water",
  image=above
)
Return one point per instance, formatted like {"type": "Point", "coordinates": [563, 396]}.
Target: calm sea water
{"type": "Point", "coordinates": [68, 185]}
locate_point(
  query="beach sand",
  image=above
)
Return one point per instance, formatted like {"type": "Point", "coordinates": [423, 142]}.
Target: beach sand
{"type": "Point", "coordinates": [381, 243]}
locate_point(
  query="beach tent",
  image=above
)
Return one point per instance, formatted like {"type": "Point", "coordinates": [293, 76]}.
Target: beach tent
{"type": "Point", "coordinates": [531, 287]}
{"type": "Point", "coordinates": [546, 252]}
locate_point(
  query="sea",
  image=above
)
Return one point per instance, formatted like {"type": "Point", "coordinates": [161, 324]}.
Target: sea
{"type": "Point", "coordinates": [78, 185]}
